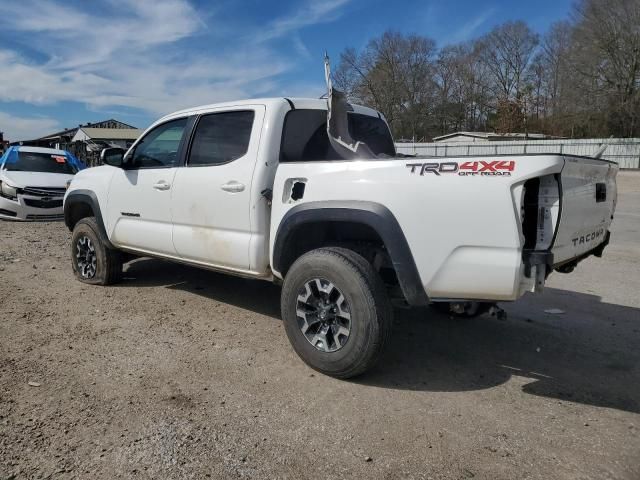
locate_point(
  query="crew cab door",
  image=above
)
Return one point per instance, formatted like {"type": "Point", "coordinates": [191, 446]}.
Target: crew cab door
{"type": "Point", "coordinates": [139, 204]}
{"type": "Point", "coordinates": [212, 193]}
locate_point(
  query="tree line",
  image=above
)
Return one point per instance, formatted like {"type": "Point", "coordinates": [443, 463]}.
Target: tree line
{"type": "Point", "coordinates": [580, 79]}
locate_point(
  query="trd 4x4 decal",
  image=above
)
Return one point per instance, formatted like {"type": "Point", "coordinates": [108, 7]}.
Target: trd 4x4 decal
{"type": "Point", "coordinates": [488, 169]}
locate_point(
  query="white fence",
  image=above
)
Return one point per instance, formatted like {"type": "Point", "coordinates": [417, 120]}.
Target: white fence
{"type": "Point", "coordinates": [623, 151]}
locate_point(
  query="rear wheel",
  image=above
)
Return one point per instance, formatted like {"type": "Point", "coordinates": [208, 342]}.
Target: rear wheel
{"type": "Point", "coordinates": [336, 311]}
{"type": "Point", "coordinates": [92, 261]}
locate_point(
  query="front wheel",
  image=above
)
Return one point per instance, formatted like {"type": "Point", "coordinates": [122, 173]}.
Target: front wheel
{"type": "Point", "coordinates": [336, 311]}
{"type": "Point", "coordinates": [92, 261]}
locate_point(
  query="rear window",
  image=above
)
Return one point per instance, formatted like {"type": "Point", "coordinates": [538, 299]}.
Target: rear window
{"type": "Point", "coordinates": [305, 138]}
{"type": "Point", "coordinates": [373, 131]}
{"type": "Point", "coordinates": [41, 162]}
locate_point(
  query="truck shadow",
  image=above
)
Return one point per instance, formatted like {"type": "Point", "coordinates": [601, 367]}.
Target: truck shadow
{"type": "Point", "coordinates": [255, 295]}
{"type": "Point", "coordinates": [589, 354]}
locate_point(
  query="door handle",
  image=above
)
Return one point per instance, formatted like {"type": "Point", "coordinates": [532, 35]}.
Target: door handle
{"type": "Point", "coordinates": [233, 187]}
{"type": "Point", "coordinates": [162, 185]}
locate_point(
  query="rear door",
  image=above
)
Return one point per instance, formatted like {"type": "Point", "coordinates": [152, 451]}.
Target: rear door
{"type": "Point", "coordinates": [212, 193]}
{"type": "Point", "coordinates": [588, 201]}
{"type": "Point", "coordinates": [139, 205]}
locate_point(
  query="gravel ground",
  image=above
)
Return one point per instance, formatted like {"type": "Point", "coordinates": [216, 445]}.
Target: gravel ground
{"type": "Point", "coordinates": [180, 373]}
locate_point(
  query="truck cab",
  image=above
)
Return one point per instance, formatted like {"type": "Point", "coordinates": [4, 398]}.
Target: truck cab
{"type": "Point", "coordinates": [195, 185]}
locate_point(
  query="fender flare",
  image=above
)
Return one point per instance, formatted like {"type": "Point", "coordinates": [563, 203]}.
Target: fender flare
{"type": "Point", "coordinates": [86, 197]}
{"type": "Point", "coordinates": [376, 216]}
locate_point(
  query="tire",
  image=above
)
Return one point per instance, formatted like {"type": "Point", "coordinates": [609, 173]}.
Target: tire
{"type": "Point", "coordinates": [100, 264]}
{"type": "Point", "coordinates": [365, 302]}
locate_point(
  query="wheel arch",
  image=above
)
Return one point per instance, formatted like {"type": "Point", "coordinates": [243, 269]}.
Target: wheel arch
{"type": "Point", "coordinates": [372, 218]}
{"type": "Point", "coordinates": [80, 204]}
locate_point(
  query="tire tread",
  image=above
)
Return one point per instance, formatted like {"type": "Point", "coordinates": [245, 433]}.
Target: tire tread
{"type": "Point", "coordinates": [375, 296]}
{"type": "Point", "coordinates": [112, 258]}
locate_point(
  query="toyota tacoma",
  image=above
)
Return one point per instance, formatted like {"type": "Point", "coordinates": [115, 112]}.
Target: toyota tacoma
{"type": "Point", "coordinates": [310, 193]}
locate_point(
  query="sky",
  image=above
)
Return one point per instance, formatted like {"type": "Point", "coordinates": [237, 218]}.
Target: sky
{"type": "Point", "coordinates": [67, 62]}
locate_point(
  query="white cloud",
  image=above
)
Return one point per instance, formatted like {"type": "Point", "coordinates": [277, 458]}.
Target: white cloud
{"type": "Point", "coordinates": [467, 30]}
{"type": "Point", "coordinates": [139, 53]}
{"type": "Point", "coordinates": [319, 11]}
{"type": "Point", "coordinates": [76, 38]}
{"type": "Point", "coordinates": [300, 47]}
{"type": "Point", "coordinates": [20, 128]}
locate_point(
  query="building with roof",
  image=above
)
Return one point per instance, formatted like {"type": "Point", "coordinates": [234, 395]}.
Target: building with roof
{"type": "Point", "coordinates": [103, 137]}
{"type": "Point", "coordinates": [87, 140]}
{"type": "Point", "coordinates": [473, 137]}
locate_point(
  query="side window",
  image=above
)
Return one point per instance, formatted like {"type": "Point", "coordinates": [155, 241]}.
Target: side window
{"type": "Point", "coordinates": [159, 148]}
{"type": "Point", "coordinates": [221, 138]}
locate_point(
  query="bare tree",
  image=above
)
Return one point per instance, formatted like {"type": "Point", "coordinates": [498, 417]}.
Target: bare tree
{"type": "Point", "coordinates": [450, 109]}
{"type": "Point", "coordinates": [583, 79]}
{"type": "Point", "coordinates": [606, 55]}
{"type": "Point", "coordinates": [507, 52]}
{"type": "Point", "coordinates": [556, 51]}
{"type": "Point", "coordinates": [463, 92]}
{"type": "Point", "coordinates": [395, 74]}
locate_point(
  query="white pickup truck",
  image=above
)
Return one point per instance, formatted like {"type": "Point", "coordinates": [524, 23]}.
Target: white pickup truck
{"type": "Point", "coordinates": [311, 194]}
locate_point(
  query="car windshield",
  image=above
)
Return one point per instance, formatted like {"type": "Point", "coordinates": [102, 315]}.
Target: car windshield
{"type": "Point", "coordinates": [41, 162]}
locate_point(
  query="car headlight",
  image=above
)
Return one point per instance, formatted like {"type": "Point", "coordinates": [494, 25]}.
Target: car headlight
{"type": "Point", "coordinates": [8, 191]}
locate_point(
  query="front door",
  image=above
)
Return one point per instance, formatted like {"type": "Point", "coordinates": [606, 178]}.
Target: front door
{"type": "Point", "coordinates": [212, 208]}
{"type": "Point", "coordinates": [139, 204]}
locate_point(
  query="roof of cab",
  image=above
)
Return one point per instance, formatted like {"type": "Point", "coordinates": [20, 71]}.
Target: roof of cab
{"type": "Point", "coordinates": [299, 103]}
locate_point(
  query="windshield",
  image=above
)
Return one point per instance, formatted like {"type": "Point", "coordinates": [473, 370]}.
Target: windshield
{"type": "Point", "coordinates": [40, 162]}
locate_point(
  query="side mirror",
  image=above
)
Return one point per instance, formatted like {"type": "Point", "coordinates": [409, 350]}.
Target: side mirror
{"type": "Point", "coordinates": [112, 156]}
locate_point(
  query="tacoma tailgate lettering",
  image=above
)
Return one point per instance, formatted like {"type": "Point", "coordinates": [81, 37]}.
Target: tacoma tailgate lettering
{"type": "Point", "coordinates": [589, 237]}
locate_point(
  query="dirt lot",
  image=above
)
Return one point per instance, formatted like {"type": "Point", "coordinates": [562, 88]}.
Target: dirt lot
{"type": "Point", "coordinates": [179, 373]}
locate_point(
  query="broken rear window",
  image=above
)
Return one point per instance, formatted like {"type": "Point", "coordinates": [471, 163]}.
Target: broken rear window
{"type": "Point", "coordinates": [373, 131]}
{"type": "Point", "coordinates": [305, 138]}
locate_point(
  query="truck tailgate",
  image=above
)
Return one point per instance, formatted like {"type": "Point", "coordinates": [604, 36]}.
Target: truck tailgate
{"type": "Point", "coordinates": [588, 190]}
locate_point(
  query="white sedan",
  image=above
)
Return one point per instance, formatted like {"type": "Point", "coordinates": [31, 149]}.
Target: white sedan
{"type": "Point", "coordinates": [33, 181]}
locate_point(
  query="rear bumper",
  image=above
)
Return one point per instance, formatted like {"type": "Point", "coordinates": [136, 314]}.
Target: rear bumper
{"type": "Point", "coordinates": [542, 262]}
{"type": "Point", "coordinates": [21, 210]}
